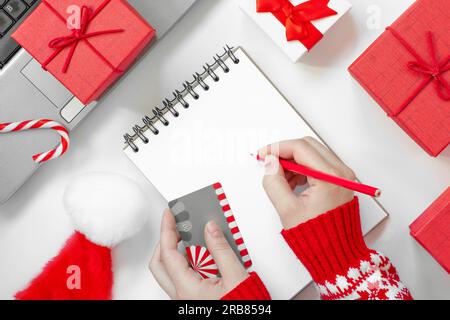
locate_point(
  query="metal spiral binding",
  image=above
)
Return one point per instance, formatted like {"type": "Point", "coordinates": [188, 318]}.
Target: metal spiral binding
{"type": "Point", "coordinates": [159, 114]}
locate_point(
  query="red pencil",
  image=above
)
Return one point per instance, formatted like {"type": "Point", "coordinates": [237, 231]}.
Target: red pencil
{"type": "Point", "coordinates": [349, 184]}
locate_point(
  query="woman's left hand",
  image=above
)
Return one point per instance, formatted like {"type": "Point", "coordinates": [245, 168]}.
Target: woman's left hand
{"type": "Point", "coordinates": [174, 274]}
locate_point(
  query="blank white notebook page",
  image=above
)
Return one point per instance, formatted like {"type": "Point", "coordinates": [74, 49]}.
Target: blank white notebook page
{"type": "Point", "coordinates": [211, 142]}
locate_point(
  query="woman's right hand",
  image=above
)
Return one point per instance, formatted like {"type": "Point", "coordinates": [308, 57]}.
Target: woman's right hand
{"type": "Point", "coordinates": [320, 196]}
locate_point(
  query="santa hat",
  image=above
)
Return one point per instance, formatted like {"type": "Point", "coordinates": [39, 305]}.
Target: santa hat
{"type": "Point", "coordinates": [106, 209]}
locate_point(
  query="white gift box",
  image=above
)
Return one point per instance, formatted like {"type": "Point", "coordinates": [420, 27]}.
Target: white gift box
{"type": "Point", "coordinates": [277, 31]}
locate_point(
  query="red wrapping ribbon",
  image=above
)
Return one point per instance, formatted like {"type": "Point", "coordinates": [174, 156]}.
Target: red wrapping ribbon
{"type": "Point", "coordinates": [297, 19]}
{"type": "Point", "coordinates": [433, 71]}
{"type": "Point", "coordinates": [72, 40]}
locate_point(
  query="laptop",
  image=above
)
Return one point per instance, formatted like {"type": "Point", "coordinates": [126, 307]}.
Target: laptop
{"type": "Point", "coordinates": [28, 92]}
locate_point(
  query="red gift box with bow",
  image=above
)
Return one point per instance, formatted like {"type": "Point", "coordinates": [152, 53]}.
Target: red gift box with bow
{"type": "Point", "coordinates": [85, 44]}
{"type": "Point", "coordinates": [407, 71]}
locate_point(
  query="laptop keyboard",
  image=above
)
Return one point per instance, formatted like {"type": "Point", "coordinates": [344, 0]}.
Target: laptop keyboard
{"type": "Point", "coordinates": [12, 13]}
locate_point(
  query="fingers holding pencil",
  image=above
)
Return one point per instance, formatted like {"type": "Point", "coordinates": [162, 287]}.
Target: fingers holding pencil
{"type": "Point", "coordinates": [299, 151]}
{"type": "Point", "coordinates": [310, 152]}
{"type": "Point", "coordinates": [320, 196]}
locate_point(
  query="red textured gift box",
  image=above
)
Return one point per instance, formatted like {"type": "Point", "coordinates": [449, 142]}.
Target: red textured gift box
{"type": "Point", "coordinates": [114, 34]}
{"type": "Point", "coordinates": [432, 230]}
{"type": "Point", "coordinates": [406, 70]}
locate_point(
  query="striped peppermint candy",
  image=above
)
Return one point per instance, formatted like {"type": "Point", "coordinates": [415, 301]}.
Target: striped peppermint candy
{"type": "Point", "coordinates": [202, 262]}
{"type": "Point", "coordinates": [41, 124]}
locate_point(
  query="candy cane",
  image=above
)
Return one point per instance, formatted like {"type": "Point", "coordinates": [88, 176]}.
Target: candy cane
{"type": "Point", "coordinates": [41, 124]}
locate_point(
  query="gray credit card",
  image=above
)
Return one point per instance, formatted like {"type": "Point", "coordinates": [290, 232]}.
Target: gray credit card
{"type": "Point", "coordinates": [192, 212]}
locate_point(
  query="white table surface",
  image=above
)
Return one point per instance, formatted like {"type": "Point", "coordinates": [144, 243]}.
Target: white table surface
{"type": "Point", "coordinates": [33, 225]}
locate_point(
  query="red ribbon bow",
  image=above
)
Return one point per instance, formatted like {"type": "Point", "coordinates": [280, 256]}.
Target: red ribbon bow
{"type": "Point", "coordinates": [297, 19]}
{"type": "Point", "coordinates": [72, 40]}
{"type": "Point", "coordinates": [433, 71]}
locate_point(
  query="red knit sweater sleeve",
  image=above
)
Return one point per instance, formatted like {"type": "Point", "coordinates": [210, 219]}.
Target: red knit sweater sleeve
{"type": "Point", "coordinates": [333, 250]}
{"type": "Point", "coordinates": [250, 289]}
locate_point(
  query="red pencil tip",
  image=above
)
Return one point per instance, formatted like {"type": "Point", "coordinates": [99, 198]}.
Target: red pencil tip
{"type": "Point", "coordinates": [257, 157]}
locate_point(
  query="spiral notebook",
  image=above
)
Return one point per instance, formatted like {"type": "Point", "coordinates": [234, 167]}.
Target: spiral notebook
{"type": "Point", "coordinates": [205, 133]}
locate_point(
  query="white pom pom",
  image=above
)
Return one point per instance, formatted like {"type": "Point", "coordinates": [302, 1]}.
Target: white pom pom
{"type": "Point", "coordinates": [107, 208]}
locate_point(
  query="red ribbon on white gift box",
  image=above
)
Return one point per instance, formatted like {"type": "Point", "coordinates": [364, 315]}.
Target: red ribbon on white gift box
{"type": "Point", "coordinates": [41, 124]}
{"type": "Point", "coordinates": [298, 18]}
